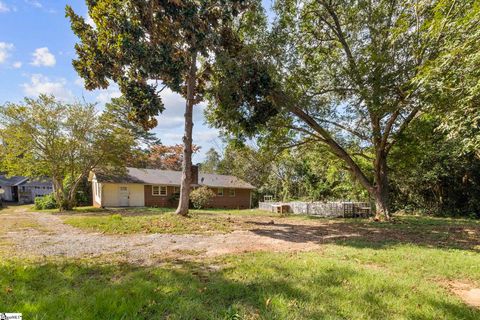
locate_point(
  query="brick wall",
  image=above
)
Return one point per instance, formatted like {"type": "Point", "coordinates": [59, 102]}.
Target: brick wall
{"type": "Point", "coordinates": [241, 200]}
{"type": "Point", "coordinates": [160, 201]}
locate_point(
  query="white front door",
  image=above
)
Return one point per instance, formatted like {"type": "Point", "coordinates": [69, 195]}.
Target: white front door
{"type": "Point", "coordinates": [124, 196]}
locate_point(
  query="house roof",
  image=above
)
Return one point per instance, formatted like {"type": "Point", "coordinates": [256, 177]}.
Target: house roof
{"type": "Point", "coordinates": [169, 177]}
{"type": "Point", "coordinates": [38, 182]}
{"type": "Point", "coordinates": [11, 181]}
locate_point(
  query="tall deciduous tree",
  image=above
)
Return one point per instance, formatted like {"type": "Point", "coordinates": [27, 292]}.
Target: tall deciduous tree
{"type": "Point", "coordinates": [340, 73]}
{"type": "Point", "coordinates": [453, 78]}
{"type": "Point", "coordinates": [211, 163]}
{"type": "Point", "coordinates": [139, 43]}
{"type": "Point", "coordinates": [121, 113]}
{"type": "Point", "coordinates": [45, 137]}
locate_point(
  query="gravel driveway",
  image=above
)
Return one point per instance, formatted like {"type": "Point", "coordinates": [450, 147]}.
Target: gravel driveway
{"type": "Point", "coordinates": [49, 236]}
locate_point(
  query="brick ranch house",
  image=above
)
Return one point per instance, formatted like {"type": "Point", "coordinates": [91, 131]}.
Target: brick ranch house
{"type": "Point", "coordinates": [161, 188]}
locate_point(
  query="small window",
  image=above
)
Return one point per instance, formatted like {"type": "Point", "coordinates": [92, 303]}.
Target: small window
{"type": "Point", "coordinates": [220, 192]}
{"type": "Point", "coordinates": [176, 190]}
{"type": "Point", "coordinates": [159, 190]}
{"type": "Point", "coordinates": [231, 192]}
{"type": "Point", "coordinates": [123, 189]}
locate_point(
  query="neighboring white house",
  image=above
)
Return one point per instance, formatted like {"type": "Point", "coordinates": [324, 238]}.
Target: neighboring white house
{"type": "Point", "coordinates": [23, 190]}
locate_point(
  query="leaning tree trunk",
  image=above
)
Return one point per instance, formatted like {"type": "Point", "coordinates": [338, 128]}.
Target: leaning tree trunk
{"type": "Point", "coordinates": [187, 141]}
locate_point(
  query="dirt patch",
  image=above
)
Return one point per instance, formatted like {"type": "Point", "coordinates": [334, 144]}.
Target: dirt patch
{"type": "Point", "coordinates": [467, 292]}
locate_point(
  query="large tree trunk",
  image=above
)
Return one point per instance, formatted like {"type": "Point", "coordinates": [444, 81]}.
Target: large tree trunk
{"type": "Point", "coordinates": [380, 192]}
{"type": "Point", "coordinates": [187, 141]}
{"type": "Point", "coordinates": [59, 192]}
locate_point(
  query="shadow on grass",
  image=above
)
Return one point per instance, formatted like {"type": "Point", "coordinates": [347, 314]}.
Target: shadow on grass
{"type": "Point", "coordinates": [440, 233]}
{"type": "Point", "coordinates": [265, 289]}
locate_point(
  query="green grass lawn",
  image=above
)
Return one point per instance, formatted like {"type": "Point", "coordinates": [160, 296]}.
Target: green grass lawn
{"type": "Point", "coordinates": [398, 270]}
{"type": "Point", "coordinates": [340, 282]}
{"type": "Point", "coordinates": [159, 220]}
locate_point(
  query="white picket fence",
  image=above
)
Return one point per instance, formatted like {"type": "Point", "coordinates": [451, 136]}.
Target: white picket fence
{"type": "Point", "coordinates": [321, 209]}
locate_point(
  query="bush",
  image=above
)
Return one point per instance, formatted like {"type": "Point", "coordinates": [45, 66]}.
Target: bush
{"type": "Point", "coordinates": [201, 197]}
{"type": "Point", "coordinates": [81, 199]}
{"type": "Point", "coordinates": [46, 202]}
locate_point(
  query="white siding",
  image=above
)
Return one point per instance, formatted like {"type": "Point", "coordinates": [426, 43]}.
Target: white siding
{"type": "Point", "coordinates": [7, 196]}
{"type": "Point", "coordinates": [111, 195]}
{"type": "Point", "coordinates": [97, 191]}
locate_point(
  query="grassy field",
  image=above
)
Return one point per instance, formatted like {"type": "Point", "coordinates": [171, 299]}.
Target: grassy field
{"type": "Point", "coordinates": [341, 282]}
{"type": "Point", "coordinates": [400, 270]}
{"type": "Point", "coordinates": [160, 220]}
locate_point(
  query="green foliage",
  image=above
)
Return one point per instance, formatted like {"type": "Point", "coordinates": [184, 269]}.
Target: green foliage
{"type": "Point", "coordinates": [46, 202]}
{"type": "Point", "coordinates": [211, 163]}
{"type": "Point", "coordinates": [64, 141]}
{"type": "Point", "coordinates": [307, 173]}
{"type": "Point", "coordinates": [120, 112]}
{"type": "Point", "coordinates": [339, 73]}
{"type": "Point", "coordinates": [116, 217]}
{"type": "Point", "coordinates": [136, 44]}
{"type": "Point", "coordinates": [201, 197]}
{"type": "Point", "coordinates": [435, 177]}
{"type": "Point", "coordinates": [452, 79]}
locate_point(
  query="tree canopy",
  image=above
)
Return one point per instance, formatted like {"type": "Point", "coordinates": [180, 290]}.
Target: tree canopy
{"type": "Point", "coordinates": [339, 73]}
{"type": "Point", "coordinates": [146, 46]}
{"type": "Point", "coordinates": [47, 138]}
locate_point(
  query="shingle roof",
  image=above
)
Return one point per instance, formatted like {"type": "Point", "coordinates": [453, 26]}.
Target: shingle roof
{"type": "Point", "coordinates": [168, 177]}
{"type": "Point", "coordinates": [11, 181]}
{"type": "Point", "coordinates": [38, 182]}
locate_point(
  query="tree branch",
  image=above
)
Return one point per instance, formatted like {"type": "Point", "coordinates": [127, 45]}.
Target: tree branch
{"type": "Point", "coordinates": [334, 146]}
{"type": "Point", "coordinates": [352, 131]}
{"type": "Point", "coordinates": [402, 128]}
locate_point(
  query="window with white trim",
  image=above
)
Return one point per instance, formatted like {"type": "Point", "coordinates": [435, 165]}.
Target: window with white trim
{"type": "Point", "coordinates": [231, 192]}
{"type": "Point", "coordinates": [220, 192]}
{"type": "Point", "coordinates": [159, 191]}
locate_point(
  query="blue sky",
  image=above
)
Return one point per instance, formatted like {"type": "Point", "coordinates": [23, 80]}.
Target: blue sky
{"type": "Point", "coordinates": [36, 51]}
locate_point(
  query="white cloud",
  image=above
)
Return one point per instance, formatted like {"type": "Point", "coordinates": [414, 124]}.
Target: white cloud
{"type": "Point", "coordinates": [43, 57]}
{"type": "Point", "coordinates": [4, 7]}
{"type": "Point", "coordinates": [80, 82]}
{"type": "Point", "coordinates": [106, 95]}
{"type": "Point", "coordinates": [17, 64]}
{"type": "Point", "coordinates": [34, 3]}
{"type": "Point", "coordinates": [40, 84]}
{"type": "Point", "coordinates": [207, 136]}
{"type": "Point", "coordinates": [90, 21]}
{"type": "Point", "coordinates": [5, 49]}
